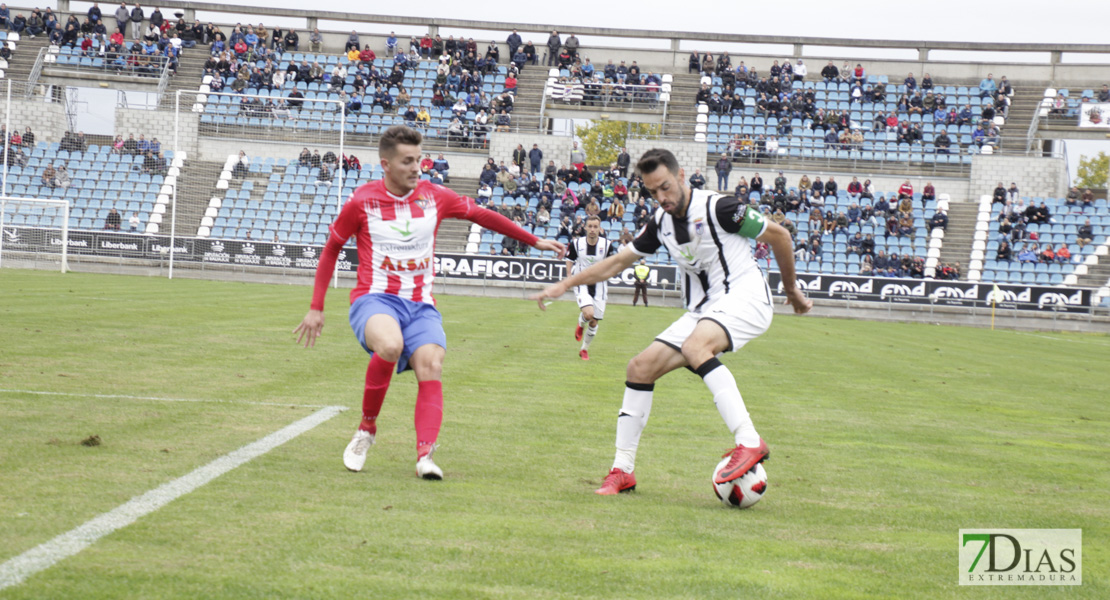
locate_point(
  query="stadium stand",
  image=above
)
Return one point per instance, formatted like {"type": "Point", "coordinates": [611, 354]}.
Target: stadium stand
{"type": "Point", "coordinates": [376, 94]}
{"type": "Point", "coordinates": [1027, 240]}
{"type": "Point", "coordinates": [324, 88]}
{"type": "Point", "coordinates": [845, 119]}
{"type": "Point", "coordinates": [95, 181]}
{"type": "Point", "coordinates": [277, 199]}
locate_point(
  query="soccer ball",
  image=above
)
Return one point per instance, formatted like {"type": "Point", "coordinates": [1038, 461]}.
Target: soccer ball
{"type": "Point", "coordinates": [743, 492]}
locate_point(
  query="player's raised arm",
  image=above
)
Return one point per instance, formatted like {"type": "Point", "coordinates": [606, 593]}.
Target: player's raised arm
{"type": "Point", "coordinates": [778, 238]}
{"type": "Point", "coordinates": [463, 207]}
{"type": "Point", "coordinates": [599, 272]}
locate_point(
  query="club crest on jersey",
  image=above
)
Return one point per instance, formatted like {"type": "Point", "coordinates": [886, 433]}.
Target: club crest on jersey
{"type": "Point", "coordinates": [424, 203]}
{"type": "Point", "coordinates": [699, 227]}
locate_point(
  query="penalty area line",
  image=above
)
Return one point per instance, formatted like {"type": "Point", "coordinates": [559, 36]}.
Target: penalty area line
{"type": "Point", "coordinates": [159, 399]}
{"type": "Point", "coordinates": [42, 557]}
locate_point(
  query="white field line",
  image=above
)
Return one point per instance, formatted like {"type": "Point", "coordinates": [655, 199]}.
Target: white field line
{"type": "Point", "coordinates": [160, 399]}
{"type": "Point", "coordinates": [1060, 339]}
{"type": "Point", "coordinates": [42, 557]}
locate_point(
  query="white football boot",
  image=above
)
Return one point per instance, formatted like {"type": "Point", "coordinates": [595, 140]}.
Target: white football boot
{"type": "Point", "coordinates": [427, 469]}
{"type": "Point", "coordinates": [355, 454]}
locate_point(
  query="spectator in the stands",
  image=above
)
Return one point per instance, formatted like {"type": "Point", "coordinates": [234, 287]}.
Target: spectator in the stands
{"type": "Point", "coordinates": [723, 168]}
{"type": "Point", "coordinates": [441, 165]}
{"type": "Point", "coordinates": [113, 220]}
{"type": "Point", "coordinates": [1042, 215]}
{"type": "Point", "coordinates": [19, 23]}
{"type": "Point", "coordinates": [554, 42]}
{"type": "Point", "coordinates": [122, 17]}
{"type": "Point", "coordinates": [939, 219]}
{"type": "Point", "coordinates": [1072, 199]}
{"type": "Point", "coordinates": [999, 196]}
{"type": "Point", "coordinates": [988, 86]}
{"type": "Point", "coordinates": [697, 180]}
{"type": "Point", "coordinates": [1005, 253]}
{"type": "Point", "coordinates": [1048, 255]}
{"type": "Point", "coordinates": [1028, 254]}
{"type": "Point", "coordinates": [35, 24]}
{"type": "Point", "coordinates": [153, 164]}
{"type": "Point", "coordinates": [1063, 254]}
{"type": "Point", "coordinates": [1085, 233]}
{"type": "Point", "coordinates": [48, 175]}
{"type": "Point", "coordinates": [242, 165]}
{"type": "Point", "coordinates": [1088, 198]}
{"type": "Point", "coordinates": [136, 20]}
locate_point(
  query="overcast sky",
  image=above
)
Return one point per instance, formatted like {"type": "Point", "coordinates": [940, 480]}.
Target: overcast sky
{"type": "Point", "coordinates": [1063, 21]}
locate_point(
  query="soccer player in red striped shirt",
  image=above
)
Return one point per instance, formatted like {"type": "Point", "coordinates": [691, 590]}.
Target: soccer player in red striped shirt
{"type": "Point", "coordinates": [393, 314]}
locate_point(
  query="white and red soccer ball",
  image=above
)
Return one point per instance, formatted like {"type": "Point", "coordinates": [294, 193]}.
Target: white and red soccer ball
{"type": "Point", "coordinates": [743, 492]}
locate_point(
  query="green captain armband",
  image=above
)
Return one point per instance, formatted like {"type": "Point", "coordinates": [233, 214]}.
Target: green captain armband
{"type": "Point", "coordinates": [752, 223]}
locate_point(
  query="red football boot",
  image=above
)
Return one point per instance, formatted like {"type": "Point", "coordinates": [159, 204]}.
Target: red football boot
{"type": "Point", "coordinates": [744, 459]}
{"type": "Point", "coordinates": [617, 482]}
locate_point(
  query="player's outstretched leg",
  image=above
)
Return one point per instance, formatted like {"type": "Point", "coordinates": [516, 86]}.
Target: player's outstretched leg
{"type": "Point", "coordinates": [427, 361]}
{"type": "Point", "coordinates": [579, 329]}
{"type": "Point", "coordinates": [378, 375]}
{"type": "Point", "coordinates": [630, 424]}
{"type": "Point", "coordinates": [750, 448]}
{"type": "Point", "coordinates": [428, 419]}
{"type": "Point", "coordinates": [587, 339]}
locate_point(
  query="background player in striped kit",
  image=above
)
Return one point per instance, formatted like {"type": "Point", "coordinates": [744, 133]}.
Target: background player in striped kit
{"type": "Point", "coordinates": [582, 254]}
{"type": "Point", "coordinates": [393, 314]}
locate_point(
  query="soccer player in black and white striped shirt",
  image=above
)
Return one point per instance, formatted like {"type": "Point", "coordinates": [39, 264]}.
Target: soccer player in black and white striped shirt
{"type": "Point", "coordinates": [583, 253]}
{"type": "Point", "coordinates": [728, 304]}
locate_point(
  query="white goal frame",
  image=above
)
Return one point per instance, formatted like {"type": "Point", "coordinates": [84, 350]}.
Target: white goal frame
{"type": "Point", "coordinates": [64, 204]}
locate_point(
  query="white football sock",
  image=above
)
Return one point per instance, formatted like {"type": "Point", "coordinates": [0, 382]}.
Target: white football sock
{"type": "Point", "coordinates": [630, 424]}
{"type": "Point", "coordinates": [729, 403]}
{"type": "Point", "coordinates": [588, 337]}
{"type": "Point", "coordinates": [582, 320]}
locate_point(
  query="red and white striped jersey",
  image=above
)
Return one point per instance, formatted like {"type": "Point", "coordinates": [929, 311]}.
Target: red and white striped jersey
{"type": "Point", "coordinates": [396, 236]}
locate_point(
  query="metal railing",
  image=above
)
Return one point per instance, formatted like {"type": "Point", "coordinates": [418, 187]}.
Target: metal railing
{"type": "Point", "coordinates": [132, 66]}
{"type": "Point", "coordinates": [597, 95]}
{"type": "Point", "coordinates": [36, 70]}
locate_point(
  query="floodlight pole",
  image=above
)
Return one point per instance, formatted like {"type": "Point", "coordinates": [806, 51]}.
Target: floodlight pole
{"type": "Point", "coordinates": [339, 186]}
{"type": "Point", "coordinates": [173, 188]}
{"type": "Point", "coordinates": [3, 207]}
{"type": "Point", "coordinates": [7, 138]}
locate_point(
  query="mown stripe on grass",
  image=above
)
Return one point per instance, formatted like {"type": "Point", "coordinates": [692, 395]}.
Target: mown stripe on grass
{"type": "Point", "coordinates": [44, 556]}
{"type": "Point", "coordinates": [160, 399]}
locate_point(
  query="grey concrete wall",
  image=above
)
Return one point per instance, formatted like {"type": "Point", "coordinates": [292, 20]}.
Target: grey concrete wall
{"type": "Point", "coordinates": [46, 119]}
{"type": "Point", "coordinates": [690, 155]}
{"type": "Point", "coordinates": [1035, 176]}
{"type": "Point", "coordinates": [556, 148]}
{"type": "Point", "coordinates": [160, 124]}
{"type": "Point", "coordinates": [462, 165]}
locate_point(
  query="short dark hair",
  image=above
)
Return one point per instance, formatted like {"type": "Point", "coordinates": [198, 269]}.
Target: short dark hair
{"type": "Point", "coordinates": [651, 160]}
{"type": "Point", "coordinates": [398, 134]}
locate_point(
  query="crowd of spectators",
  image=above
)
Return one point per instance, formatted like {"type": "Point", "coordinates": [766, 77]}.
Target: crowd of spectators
{"type": "Point", "coordinates": [612, 84]}
{"type": "Point", "coordinates": [1016, 242]}
{"type": "Point", "coordinates": [784, 94]}
{"type": "Point", "coordinates": [564, 195]}
{"type": "Point", "coordinates": [149, 48]}
{"type": "Point", "coordinates": [248, 63]}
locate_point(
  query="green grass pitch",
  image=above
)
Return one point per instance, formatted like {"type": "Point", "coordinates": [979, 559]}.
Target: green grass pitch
{"type": "Point", "coordinates": [886, 440]}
